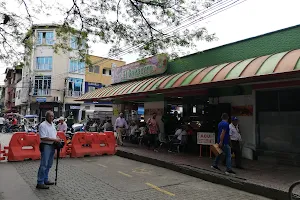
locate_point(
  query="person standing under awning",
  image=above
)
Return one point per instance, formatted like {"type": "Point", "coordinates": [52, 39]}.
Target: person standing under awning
{"type": "Point", "coordinates": [236, 138]}
{"type": "Point", "coordinates": [120, 126]}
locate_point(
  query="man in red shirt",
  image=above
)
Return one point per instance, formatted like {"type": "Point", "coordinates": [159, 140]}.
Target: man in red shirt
{"type": "Point", "coordinates": [14, 121]}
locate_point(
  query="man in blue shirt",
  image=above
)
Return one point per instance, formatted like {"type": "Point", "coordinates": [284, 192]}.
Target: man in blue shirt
{"type": "Point", "coordinates": [224, 144]}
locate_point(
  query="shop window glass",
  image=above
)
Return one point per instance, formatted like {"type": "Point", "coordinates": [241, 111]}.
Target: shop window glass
{"type": "Point", "coordinates": [289, 100]}
{"type": "Point", "coordinates": [267, 101]}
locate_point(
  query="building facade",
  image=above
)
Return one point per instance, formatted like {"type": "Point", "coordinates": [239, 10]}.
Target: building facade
{"type": "Point", "coordinates": [11, 87]}
{"type": "Point", "coordinates": [98, 75]}
{"type": "Point", "coordinates": [51, 80]}
{"type": "Point", "coordinates": [256, 80]}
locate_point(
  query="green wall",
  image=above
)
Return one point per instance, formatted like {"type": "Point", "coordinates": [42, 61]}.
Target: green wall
{"type": "Point", "coordinates": [275, 42]}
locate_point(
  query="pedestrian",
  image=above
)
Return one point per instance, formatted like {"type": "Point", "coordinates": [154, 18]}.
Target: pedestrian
{"type": "Point", "coordinates": [48, 137]}
{"type": "Point", "coordinates": [120, 126]}
{"type": "Point", "coordinates": [107, 126]}
{"type": "Point", "coordinates": [2, 122]}
{"type": "Point", "coordinates": [224, 144]}
{"type": "Point", "coordinates": [236, 138]}
{"type": "Point", "coordinates": [70, 120]}
{"type": "Point", "coordinates": [153, 131]}
{"type": "Point", "coordinates": [62, 125]}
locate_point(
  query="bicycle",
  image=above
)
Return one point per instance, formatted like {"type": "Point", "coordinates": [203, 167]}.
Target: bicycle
{"type": "Point", "coordinates": [294, 191]}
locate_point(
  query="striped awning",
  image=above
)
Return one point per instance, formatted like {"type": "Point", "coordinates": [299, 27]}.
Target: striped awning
{"type": "Point", "coordinates": [260, 66]}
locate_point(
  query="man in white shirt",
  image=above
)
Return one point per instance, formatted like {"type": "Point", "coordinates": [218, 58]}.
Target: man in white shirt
{"type": "Point", "coordinates": [177, 136]}
{"type": "Point", "coordinates": [2, 121]}
{"type": "Point", "coordinates": [48, 136]}
{"type": "Point", "coordinates": [120, 126]}
{"type": "Point", "coordinates": [62, 126]}
{"type": "Point", "coordinates": [236, 138]}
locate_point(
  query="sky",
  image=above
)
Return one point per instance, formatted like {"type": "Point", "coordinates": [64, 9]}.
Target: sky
{"type": "Point", "coordinates": [248, 19]}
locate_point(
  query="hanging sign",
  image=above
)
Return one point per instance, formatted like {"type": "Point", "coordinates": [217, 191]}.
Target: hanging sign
{"type": "Point", "coordinates": [148, 67]}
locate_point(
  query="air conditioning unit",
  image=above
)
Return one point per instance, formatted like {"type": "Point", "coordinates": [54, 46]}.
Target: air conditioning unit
{"type": "Point", "coordinates": [57, 99]}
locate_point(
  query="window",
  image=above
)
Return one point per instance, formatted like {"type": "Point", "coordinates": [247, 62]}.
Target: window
{"type": "Point", "coordinates": [94, 69]}
{"type": "Point", "coordinates": [91, 69]}
{"type": "Point", "coordinates": [106, 72]}
{"type": "Point", "coordinates": [75, 86]}
{"type": "Point", "coordinates": [44, 37]}
{"type": "Point", "coordinates": [42, 85]}
{"type": "Point", "coordinates": [74, 43]}
{"type": "Point", "coordinates": [44, 63]}
{"type": "Point", "coordinates": [77, 67]}
{"type": "Point", "coordinates": [91, 88]}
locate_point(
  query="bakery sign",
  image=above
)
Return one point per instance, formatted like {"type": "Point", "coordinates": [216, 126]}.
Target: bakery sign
{"type": "Point", "coordinates": [205, 138]}
{"type": "Point", "coordinates": [148, 67]}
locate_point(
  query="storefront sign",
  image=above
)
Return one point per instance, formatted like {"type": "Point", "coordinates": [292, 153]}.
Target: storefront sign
{"type": "Point", "coordinates": [41, 99]}
{"type": "Point", "coordinates": [205, 138]}
{"type": "Point", "coordinates": [144, 68]}
{"type": "Point", "coordinates": [115, 112]}
{"type": "Point", "coordinates": [74, 107]}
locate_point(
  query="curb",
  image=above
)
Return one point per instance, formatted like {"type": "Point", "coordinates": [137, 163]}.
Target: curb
{"type": "Point", "coordinates": [233, 182]}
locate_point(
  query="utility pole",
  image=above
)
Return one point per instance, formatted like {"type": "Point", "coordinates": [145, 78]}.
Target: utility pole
{"type": "Point", "coordinates": [63, 99]}
{"type": "Point", "coordinates": [29, 96]}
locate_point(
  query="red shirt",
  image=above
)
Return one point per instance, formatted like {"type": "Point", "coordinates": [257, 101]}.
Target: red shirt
{"type": "Point", "coordinates": [14, 121]}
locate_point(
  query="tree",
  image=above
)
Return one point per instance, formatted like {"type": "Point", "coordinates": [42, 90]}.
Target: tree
{"type": "Point", "coordinates": [145, 26]}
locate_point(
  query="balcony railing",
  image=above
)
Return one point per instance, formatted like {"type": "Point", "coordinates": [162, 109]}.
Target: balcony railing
{"type": "Point", "coordinates": [41, 92]}
{"type": "Point", "coordinates": [72, 93]}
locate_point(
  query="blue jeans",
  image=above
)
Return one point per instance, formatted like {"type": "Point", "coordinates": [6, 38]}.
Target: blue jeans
{"type": "Point", "coordinates": [227, 151]}
{"type": "Point", "coordinates": [47, 156]}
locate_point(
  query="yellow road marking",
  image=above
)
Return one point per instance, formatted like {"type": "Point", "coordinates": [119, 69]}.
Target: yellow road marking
{"type": "Point", "coordinates": [124, 174]}
{"type": "Point", "coordinates": [159, 189]}
{"type": "Point", "coordinates": [141, 171]}
{"type": "Point", "coordinates": [102, 165]}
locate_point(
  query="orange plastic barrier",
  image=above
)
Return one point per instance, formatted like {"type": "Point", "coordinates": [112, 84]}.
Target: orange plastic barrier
{"type": "Point", "coordinates": [23, 146]}
{"type": "Point", "coordinates": [63, 151]}
{"type": "Point", "coordinates": [92, 144]}
{"type": "Point", "coordinates": [107, 145]}
{"type": "Point", "coordinates": [2, 153]}
{"type": "Point", "coordinates": [83, 144]}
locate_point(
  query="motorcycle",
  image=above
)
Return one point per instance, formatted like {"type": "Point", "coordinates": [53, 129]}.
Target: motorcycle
{"type": "Point", "coordinates": [31, 129]}
{"type": "Point", "coordinates": [7, 128]}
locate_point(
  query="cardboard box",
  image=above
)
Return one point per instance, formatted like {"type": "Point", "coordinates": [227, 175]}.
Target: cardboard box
{"type": "Point", "coordinates": [216, 150]}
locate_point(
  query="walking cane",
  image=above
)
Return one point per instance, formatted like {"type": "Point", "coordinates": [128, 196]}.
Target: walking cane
{"type": "Point", "coordinates": [59, 146]}
{"type": "Point", "coordinates": [57, 157]}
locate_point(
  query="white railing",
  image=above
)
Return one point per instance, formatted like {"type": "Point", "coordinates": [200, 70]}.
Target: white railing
{"type": "Point", "coordinates": [41, 92]}
{"type": "Point", "coordinates": [72, 93]}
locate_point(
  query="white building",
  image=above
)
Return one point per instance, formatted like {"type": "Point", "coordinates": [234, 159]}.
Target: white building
{"type": "Point", "coordinates": [51, 80]}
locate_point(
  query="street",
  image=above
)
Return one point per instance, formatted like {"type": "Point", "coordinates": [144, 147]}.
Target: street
{"type": "Point", "coordinates": [113, 177]}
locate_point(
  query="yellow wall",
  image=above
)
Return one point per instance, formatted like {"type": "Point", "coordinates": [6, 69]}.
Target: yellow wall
{"type": "Point", "coordinates": [103, 63]}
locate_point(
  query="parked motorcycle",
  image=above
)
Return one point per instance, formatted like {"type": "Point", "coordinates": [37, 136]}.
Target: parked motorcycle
{"type": "Point", "coordinates": [7, 128]}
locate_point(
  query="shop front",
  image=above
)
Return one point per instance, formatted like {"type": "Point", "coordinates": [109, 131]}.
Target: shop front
{"type": "Point", "coordinates": [249, 79]}
{"type": "Point", "coordinates": [75, 110]}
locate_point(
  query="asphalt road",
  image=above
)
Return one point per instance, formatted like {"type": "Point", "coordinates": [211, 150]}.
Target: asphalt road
{"type": "Point", "coordinates": [116, 178]}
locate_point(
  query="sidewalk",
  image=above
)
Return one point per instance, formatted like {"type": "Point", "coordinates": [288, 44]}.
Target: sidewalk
{"type": "Point", "coordinates": [260, 178]}
{"type": "Point", "coordinates": [13, 186]}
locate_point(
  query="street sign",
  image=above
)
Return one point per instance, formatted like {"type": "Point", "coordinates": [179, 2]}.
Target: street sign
{"type": "Point", "coordinates": [205, 138]}
{"type": "Point", "coordinates": [41, 99]}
